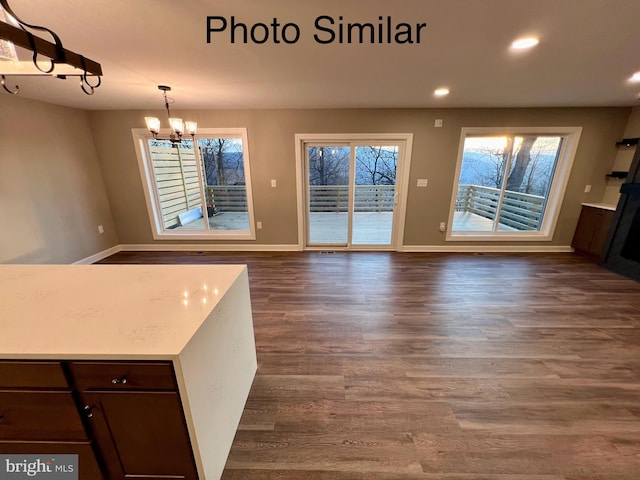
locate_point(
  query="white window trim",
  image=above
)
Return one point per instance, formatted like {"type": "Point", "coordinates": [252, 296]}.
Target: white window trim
{"type": "Point", "coordinates": [556, 192]}
{"type": "Point", "coordinates": [140, 140]}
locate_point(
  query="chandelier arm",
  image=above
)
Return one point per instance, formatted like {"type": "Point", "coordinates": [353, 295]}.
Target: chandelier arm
{"type": "Point", "coordinates": [176, 128]}
{"type": "Point", "coordinates": [7, 89]}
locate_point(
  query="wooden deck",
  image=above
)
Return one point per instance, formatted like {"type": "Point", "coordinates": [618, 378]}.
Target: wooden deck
{"type": "Point", "coordinates": [470, 222]}
{"type": "Point", "coordinates": [328, 228]}
{"type": "Point", "coordinates": [369, 228]}
{"type": "Point", "coordinates": [222, 221]}
{"type": "Point", "coordinates": [399, 366]}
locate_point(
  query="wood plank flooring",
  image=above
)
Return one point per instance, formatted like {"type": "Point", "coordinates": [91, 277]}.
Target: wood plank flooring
{"type": "Point", "coordinates": [398, 366]}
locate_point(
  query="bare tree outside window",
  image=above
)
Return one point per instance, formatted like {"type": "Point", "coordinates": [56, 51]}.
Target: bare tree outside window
{"type": "Point", "coordinates": [328, 165]}
{"type": "Point", "coordinates": [377, 165]}
{"type": "Point", "coordinates": [223, 160]}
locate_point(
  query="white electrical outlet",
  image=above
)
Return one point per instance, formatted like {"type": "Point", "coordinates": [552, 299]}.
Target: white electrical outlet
{"type": "Point", "coordinates": [587, 189]}
{"type": "Point", "coordinates": [438, 123]}
{"type": "Point", "coordinates": [443, 226]}
{"type": "Point", "coordinates": [423, 182]}
{"type": "Point", "coordinates": [273, 183]}
{"type": "Point", "coordinates": [100, 229]}
{"type": "Point", "coordinates": [259, 225]}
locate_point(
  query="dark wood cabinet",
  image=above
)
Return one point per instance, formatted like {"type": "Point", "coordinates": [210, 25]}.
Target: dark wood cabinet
{"type": "Point", "coordinates": [140, 434]}
{"type": "Point", "coordinates": [17, 374]}
{"type": "Point", "coordinates": [39, 415]}
{"type": "Point", "coordinates": [124, 419]}
{"type": "Point", "coordinates": [123, 376]}
{"type": "Point", "coordinates": [135, 415]}
{"type": "Point", "coordinates": [592, 230]}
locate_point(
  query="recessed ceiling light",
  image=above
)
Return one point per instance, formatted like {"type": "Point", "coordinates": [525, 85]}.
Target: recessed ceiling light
{"type": "Point", "coordinates": [635, 77]}
{"type": "Point", "coordinates": [523, 43]}
{"type": "Point", "coordinates": [441, 92]}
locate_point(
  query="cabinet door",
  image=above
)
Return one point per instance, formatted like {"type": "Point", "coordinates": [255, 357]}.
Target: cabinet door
{"type": "Point", "coordinates": [592, 230]}
{"type": "Point", "coordinates": [587, 225]}
{"type": "Point", "coordinates": [140, 434]}
{"type": "Point", "coordinates": [602, 232]}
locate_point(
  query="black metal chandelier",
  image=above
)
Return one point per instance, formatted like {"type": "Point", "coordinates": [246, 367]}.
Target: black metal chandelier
{"type": "Point", "coordinates": [62, 63]}
{"type": "Point", "coordinates": [176, 124]}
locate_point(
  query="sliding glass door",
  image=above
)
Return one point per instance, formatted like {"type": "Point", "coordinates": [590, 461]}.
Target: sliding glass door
{"type": "Point", "coordinates": [374, 197]}
{"type": "Point", "coordinates": [329, 177]}
{"type": "Point", "coordinates": [351, 194]}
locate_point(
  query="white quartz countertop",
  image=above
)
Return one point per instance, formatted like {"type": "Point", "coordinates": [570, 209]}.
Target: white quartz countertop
{"type": "Point", "coordinates": [604, 206]}
{"type": "Point", "coordinates": [107, 311]}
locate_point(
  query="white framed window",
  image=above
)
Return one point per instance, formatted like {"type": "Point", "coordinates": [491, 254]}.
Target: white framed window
{"type": "Point", "coordinates": [510, 182]}
{"type": "Point", "coordinates": [198, 193]}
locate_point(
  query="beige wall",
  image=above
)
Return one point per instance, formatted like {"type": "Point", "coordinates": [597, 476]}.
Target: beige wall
{"type": "Point", "coordinates": [633, 126]}
{"type": "Point", "coordinates": [55, 189]}
{"type": "Point", "coordinates": [271, 142]}
{"type": "Point", "coordinates": [52, 196]}
{"type": "Point", "coordinates": [623, 158]}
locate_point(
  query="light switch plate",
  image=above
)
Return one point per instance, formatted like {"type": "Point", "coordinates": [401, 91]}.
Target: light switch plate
{"type": "Point", "coordinates": [423, 182]}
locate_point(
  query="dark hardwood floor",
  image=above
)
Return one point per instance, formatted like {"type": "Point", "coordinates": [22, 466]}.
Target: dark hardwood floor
{"type": "Point", "coordinates": [401, 366]}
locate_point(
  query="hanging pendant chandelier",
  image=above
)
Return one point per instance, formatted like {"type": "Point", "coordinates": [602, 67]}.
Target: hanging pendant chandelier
{"type": "Point", "coordinates": [176, 125]}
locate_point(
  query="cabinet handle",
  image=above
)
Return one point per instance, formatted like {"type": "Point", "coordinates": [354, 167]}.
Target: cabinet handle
{"type": "Point", "coordinates": [88, 410]}
{"type": "Point", "coordinates": [121, 380]}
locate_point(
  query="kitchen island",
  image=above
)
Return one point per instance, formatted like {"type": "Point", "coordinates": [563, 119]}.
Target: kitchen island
{"type": "Point", "coordinates": [138, 352]}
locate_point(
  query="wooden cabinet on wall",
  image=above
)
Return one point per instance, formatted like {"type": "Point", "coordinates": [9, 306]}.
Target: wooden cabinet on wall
{"type": "Point", "coordinates": [125, 416]}
{"type": "Point", "coordinates": [592, 230]}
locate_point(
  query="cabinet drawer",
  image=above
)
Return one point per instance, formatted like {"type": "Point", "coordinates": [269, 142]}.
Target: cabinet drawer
{"type": "Point", "coordinates": [123, 376]}
{"type": "Point", "coordinates": [18, 374]}
{"type": "Point", "coordinates": [39, 415]}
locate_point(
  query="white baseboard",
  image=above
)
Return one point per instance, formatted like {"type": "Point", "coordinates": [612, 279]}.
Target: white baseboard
{"type": "Point", "coordinates": [156, 247]}
{"type": "Point", "coordinates": [98, 256]}
{"type": "Point", "coordinates": [486, 249]}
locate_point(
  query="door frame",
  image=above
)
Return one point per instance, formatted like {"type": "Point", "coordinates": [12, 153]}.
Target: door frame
{"type": "Point", "coordinates": [402, 182]}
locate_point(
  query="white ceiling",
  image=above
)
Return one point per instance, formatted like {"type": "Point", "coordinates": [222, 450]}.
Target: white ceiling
{"type": "Point", "coordinates": [588, 49]}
